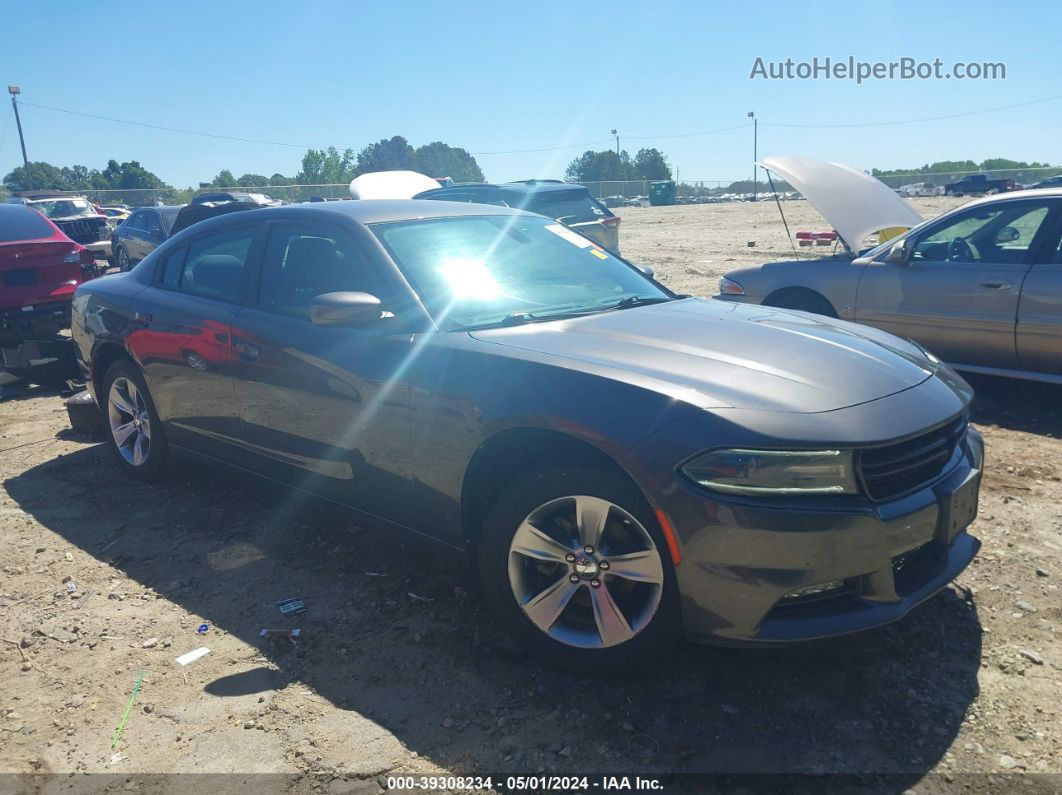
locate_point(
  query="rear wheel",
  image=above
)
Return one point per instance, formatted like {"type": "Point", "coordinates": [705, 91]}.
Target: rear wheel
{"type": "Point", "coordinates": [134, 431]}
{"type": "Point", "coordinates": [575, 567]}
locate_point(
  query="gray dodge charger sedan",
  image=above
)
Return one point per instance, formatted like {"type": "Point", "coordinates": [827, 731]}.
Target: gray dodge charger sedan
{"type": "Point", "coordinates": [624, 466]}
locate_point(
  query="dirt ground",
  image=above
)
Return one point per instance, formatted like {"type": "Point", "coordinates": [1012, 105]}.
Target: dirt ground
{"type": "Point", "coordinates": [399, 671]}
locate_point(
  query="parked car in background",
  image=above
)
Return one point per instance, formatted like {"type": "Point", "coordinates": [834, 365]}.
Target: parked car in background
{"type": "Point", "coordinates": [624, 466]}
{"type": "Point", "coordinates": [1050, 182]}
{"type": "Point", "coordinates": [260, 199]}
{"type": "Point", "coordinates": [920, 189]}
{"type": "Point", "coordinates": [979, 184]}
{"type": "Point", "coordinates": [139, 234]}
{"type": "Point", "coordinates": [979, 286]}
{"type": "Point", "coordinates": [76, 216]}
{"type": "Point", "coordinates": [566, 202]}
{"type": "Point", "coordinates": [115, 215]}
{"type": "Point", "coordinates": [40, 267]}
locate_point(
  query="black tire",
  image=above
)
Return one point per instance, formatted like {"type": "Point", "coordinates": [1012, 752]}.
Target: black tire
{"type": "Point", "coordinates": [538, 488]}
{"type": "Point", "coordinates": [121, 258]}
{"type": "Point", "coordinates": [156, 461]}
{"type": "Point", "coordinates": [802, 300]}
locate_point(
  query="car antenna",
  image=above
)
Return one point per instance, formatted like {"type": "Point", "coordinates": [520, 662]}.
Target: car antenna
{"type": "Point", "coordinates": [780, 211]}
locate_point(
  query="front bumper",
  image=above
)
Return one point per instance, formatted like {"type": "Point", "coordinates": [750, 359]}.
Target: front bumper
{"type": "Point", "coordinates": [738, 566]}
{"type": "Point", "coordinates": [101, 248]}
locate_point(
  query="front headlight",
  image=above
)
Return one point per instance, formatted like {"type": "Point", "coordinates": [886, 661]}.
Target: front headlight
{"type": "Point", "coordinates": [775, 472]}
{"type": "Point", "coordinates": [730, 287]}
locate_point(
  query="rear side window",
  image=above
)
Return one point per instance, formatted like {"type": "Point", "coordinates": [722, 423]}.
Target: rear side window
{"type": "Point", "coordinates": [568, 206]}
{"type": "Point", "coordinates": [214, 266]}
{"type": "Point", "coordinates": [22, 223]}
{"type": "Point", "coordinates": [172, 266]}
{"type": "Point", "coordinates": [151, 222]}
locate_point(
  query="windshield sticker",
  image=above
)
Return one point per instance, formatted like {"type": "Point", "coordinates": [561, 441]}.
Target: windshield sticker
{"type": "Point", "coordinates": [599, 253]}
{"type": "Point", "coordinates": [567, 234]}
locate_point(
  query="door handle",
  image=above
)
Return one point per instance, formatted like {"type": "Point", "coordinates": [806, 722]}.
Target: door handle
{"type": "Point", "coordinates": [991, 285]}
{"type": "Point", "coordinates": [143, 318]}
{"type": "Point", "coordinates": [246, 351]}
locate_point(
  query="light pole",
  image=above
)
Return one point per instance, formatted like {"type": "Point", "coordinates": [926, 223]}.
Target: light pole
{"type": "Point", "coordinates": [755, 136]}
{"type": "Point", "coordinates": [617, 142]}
{"type": "Point", "coordinates": [14, 91]}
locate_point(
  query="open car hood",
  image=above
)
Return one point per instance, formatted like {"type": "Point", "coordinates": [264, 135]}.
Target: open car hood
{"type": "Point", "coordinates": [855, 203]}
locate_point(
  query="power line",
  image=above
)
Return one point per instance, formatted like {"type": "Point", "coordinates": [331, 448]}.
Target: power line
{"type": "Point", "coordinates": [690, 135]}
{"type": "Point", "coordinates": [167, 129]}
{"type": "Point", "coordinates": [918, 121]}
{"type": "Point", "coordinates": [549, 148]}
{"type": "Point", "coordinates": [546, 149]}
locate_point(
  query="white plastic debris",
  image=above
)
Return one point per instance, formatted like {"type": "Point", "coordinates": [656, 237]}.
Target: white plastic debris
{"type": "Point", "coordinates": [193, 655]}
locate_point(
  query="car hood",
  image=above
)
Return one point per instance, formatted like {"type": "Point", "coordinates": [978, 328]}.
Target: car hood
{"type": "Point", "coordinates": [716, 354]}
{"type": "Point", "coordinates": [856, 204]}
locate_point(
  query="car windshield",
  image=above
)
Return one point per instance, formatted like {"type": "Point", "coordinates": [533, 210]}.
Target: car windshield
{"type": "Point", "coordinates": [63, 208]}
{"type": "Point", "coordinates": [481, 270]}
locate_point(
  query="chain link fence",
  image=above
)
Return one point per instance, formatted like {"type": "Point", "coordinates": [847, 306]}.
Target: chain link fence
{"type": "Point", "coordinates": [612, 189]}
{"type": "Point", "coordinates": [631, 189]}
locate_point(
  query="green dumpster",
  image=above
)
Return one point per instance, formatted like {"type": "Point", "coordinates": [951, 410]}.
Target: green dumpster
{"type": "Point", "coordinates": [662, 192]}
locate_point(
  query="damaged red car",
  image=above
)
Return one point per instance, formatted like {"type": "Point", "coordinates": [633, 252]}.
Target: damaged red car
{"type": "Point", "coordinates": [40, 267]}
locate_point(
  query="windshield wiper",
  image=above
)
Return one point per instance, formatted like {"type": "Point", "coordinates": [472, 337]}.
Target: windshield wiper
{"type": "Point", "coordinates": [638, 300]}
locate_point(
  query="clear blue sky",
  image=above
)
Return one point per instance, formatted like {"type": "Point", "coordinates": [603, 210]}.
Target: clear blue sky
{"type": "Point", "coordinates": [492, 76]}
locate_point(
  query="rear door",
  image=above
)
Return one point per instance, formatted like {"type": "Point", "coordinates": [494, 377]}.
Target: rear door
{"type": "Point", "coordinates": [182, 338]}
{"type": "Point", "coordinates": [153, 233]}
{"type": "Point", "coordinates": [958, 293]}
{"type": "Point", "coordinates": [130, 235]}
{"type": "Point", "coordinates": [1039, 331]}
{"type": "Point", "coordinates": [326, 409]}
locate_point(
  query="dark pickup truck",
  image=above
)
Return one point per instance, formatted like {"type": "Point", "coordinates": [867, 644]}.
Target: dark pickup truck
{"type": "Point", "coordinates": [979, 183]}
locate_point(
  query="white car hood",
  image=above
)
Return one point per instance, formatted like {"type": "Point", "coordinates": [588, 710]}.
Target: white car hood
{"type": "Point", "coordinates": [856, 204]}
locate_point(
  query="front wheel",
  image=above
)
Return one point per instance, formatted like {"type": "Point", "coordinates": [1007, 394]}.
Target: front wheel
{"type": "Point", "coordinates": [575, 567]}
{"type": "Point", "coordinates": [123, 259]}
{"type": "Point", "coordinates": [134, 431]}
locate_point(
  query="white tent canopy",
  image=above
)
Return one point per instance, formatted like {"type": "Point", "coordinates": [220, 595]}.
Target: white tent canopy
{"type": "Point", "coordinates": [856, 204]}
{"type": "Point", "coordinates": [390, 185]}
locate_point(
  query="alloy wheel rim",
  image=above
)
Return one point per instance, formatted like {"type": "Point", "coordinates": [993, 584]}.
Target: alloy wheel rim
{"type": "Point", "coordinates": [130, 422]}
{"type": "Point", "coordinates": [123, 259]}
{"type": "Point", "coordinates": [585, 572]}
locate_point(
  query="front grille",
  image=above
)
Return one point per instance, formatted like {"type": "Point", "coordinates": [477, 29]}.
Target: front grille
{"type": "Point", "coordinates": [86, 231]}
{"type": "Point", "coordinates": [897, 469]}
{"type": "Point", "coordinates": [914, 569]}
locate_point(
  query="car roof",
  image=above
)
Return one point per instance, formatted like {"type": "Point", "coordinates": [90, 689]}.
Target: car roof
{"type": "Point", "coordinates": [1035, 193]}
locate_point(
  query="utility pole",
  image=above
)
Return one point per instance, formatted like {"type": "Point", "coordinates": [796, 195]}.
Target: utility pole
{"type": "Point", "coordinates": [15, 91]}
{"type": "Point", "coordinates": [617, 142]}
{"type": "Point", "coordinates": [755, 143]}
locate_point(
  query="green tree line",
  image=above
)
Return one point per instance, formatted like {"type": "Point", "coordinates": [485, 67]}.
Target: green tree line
{"type": "Point", "coordinates": [319, 167]}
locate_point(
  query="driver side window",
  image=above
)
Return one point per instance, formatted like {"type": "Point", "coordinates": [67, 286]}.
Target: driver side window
{"type": "Point", "coordinates": [1000, 235]}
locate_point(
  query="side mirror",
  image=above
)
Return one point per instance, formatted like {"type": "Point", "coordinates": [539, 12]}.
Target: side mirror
{"type": "Point", "coordinates": [900, 251]}
{"type": "Point", "coordinates": [1008, 234]}
{"type": "Point", "coordinates": [648, 271]}
{"type": "Point", "coordinates": [344, 309]}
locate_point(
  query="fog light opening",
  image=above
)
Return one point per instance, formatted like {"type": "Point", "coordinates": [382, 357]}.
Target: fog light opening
{"type": "Point", "coordinates": [815, 590]}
